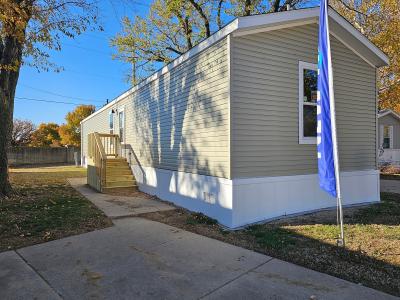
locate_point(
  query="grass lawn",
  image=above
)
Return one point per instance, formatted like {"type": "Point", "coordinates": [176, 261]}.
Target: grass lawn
{"type": "Point", "coordinates": [371, 256]}
{"type": "Point", "coordinates": [44, 207]}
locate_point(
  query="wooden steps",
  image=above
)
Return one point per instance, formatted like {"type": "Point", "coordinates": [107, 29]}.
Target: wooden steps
{"type": "Point", "coordinates": [118, 174]}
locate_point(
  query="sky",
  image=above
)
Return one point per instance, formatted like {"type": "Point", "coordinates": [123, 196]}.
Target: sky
{"type": "Point", "coordinates": [91, 76]}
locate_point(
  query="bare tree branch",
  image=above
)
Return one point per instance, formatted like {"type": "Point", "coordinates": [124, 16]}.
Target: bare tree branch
{"type": "Point", "coordinates": [203, 16]}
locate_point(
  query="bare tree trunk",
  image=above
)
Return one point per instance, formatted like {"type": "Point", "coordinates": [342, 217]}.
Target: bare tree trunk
{"type": "Point", "coordinates": [10, 55]}
{"type": "Point", "coordinates": [247, 7]}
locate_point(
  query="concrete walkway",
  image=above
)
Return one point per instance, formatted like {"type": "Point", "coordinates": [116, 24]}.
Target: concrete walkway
{"type": "Point", "coordinates": [119, 206]}
{"type": "Point", "coordinates": [390, 186]}
{"type": "Point", "coordinates": [142, 259]}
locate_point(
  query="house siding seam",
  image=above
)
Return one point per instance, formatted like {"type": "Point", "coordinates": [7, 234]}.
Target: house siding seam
{"type": "Point", "coordinates": [180, 121]}
{"type": "Point", "coordinates": [264, 103]}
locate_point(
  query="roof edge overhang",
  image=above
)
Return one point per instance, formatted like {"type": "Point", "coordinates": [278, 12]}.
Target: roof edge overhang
{"type": "Point", "coordinates": [389, 112]}
{"type": "Point", "coordinates": [339, 27]}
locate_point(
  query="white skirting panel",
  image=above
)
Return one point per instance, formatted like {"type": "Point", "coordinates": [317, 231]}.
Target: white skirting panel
{"type": "Point", "coordinates": [258, 199]}
{"type": "Point", "coordinates": [238, 202]}
{"type": "Point", "coordinates": [209, 195]}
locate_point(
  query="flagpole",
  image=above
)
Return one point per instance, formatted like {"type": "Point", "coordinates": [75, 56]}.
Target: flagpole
{"type": "Point", "coordinates": [334, 141]}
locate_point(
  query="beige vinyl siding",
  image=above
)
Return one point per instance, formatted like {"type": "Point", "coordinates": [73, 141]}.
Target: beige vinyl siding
{"type": "Point", "coordinates": [99, 123]}
{"type": "Point", "coordinates": [391, 121]}
{"type": "Point", "coordinates": [264, 103]}
{"type": "Point", "coordinates": [180, 121]}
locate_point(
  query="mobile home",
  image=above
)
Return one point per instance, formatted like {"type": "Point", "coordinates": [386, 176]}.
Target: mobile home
{"type": "Point", "coordinates": [229, 128]}
{"type": "Point", "coordinates": [389, 137]}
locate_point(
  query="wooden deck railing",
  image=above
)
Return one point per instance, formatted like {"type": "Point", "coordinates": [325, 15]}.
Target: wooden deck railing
{"type": "Point", "coordinates": [101, 146]}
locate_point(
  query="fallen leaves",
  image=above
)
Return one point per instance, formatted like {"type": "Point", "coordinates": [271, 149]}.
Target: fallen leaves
{"type": "Point", "coordinates": [45, 207]}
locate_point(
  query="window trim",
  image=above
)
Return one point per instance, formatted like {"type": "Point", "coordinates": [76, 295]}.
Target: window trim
{"type": "Point", "coordinates": [302, 66]}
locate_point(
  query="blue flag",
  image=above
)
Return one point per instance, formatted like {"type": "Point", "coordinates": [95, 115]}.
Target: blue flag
{"type": "Point", "coordinates": [326, 165]}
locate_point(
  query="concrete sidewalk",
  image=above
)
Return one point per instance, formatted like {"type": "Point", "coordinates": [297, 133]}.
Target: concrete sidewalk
{"type": "Point", "coordinates": [119, 206]}
{"type": "Point", "coordinates": [142, 259]}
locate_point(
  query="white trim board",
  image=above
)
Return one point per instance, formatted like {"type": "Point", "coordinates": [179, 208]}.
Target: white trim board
{"type": "Point", "coordinates": [389, 112]}
{"type": "Point", "coordinates": [267, 22]}
{"type": "Point", "coordinates": [239, 202]}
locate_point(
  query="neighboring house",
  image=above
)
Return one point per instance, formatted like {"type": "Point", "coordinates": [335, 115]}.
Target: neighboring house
{"type": "Point", "coordinates": [389, 137]}
{"type": "Point", "coordinates": [229, 128]}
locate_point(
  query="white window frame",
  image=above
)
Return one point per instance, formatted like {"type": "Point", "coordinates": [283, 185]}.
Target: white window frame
{"type": "Point", "coordinates": [382, 131]}
{"type": "Point", "coordinates": [302, 66]}
{"type": "Point", "coordinates": [122, 109]}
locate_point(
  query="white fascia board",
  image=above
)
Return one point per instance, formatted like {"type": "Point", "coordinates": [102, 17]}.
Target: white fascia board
{"type": "Point", "coordinates": [293, 18]}
{"type": "Point", "coordinates": [213, 39]}
{"type": "Point", "coordinates": [290, 16]}
{"type": "Point", "coordinates": [271, 27]}
{"type": "Point", "coordinates": [389, 112]}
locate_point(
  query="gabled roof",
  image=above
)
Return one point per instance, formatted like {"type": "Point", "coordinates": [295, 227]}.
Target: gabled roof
{"type": "Point", "coordinates": [386, 112]}
{"type": "Point", "coordinates": [338, 26]}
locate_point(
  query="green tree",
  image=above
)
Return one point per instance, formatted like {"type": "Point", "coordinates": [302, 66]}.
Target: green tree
{"type": "Point", "coordinates": [46, 135]}
{"type": "Point", "coordinates": [70, 133]}
{"type": "Point", "coordinates": [173, 27]}
{"type": "Point", "coordinates": [27, 29]}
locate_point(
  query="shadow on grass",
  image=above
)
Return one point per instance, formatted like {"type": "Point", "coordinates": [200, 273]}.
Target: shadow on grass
{"type": "Point", "coordinates": [387, 212]}
{"type": "Point", "coordinates": [372, 253]}
{"type": "Point", "coordinates": [349, 264]}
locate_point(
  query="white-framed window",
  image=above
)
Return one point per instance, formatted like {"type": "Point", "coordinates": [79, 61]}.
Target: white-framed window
{"type": "Point", "coordinates": [111, 121]}
{"type": "Point", "coordinates": [386, 133]}
{"type": "Point", "coordinates": [121, 124]}
{"type": "Point", "coordinates": [308, 78]}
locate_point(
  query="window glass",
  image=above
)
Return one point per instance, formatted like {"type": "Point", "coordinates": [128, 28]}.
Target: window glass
{"type": "Point", "coordinates": [121, 125]}
{"type": "Point", "coordinates": [310, 121]}
{"type": "Point", "coordinates": [111, 121]}
{"type": "Point", "coordinates": [310, 78]}
{"type": "Point", "coordinates": [310, 81]}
